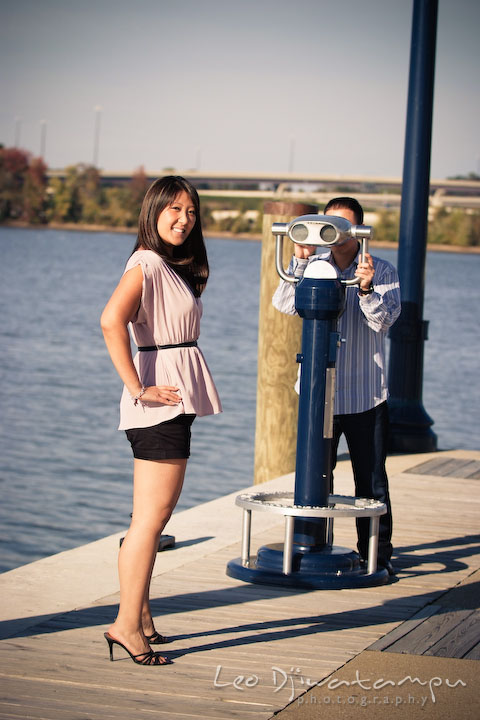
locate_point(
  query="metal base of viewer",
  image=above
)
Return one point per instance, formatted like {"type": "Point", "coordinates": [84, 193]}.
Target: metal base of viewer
{"type": "Point", "coordinates": [342, 569]}
{"type": "Point", "coordinates": [328, 567]}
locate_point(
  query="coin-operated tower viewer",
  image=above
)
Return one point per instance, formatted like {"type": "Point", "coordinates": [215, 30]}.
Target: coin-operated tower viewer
{"type": "Point", "coordinates": [308, 557]}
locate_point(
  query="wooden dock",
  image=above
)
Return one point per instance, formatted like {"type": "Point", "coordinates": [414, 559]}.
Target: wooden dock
{"type": "Point", "coordinates": [241, 650]}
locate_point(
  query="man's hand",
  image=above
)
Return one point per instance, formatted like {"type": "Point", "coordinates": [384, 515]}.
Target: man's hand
{"type": "Point", "coordinates": [304, 251]}
{"type": "Point", "coordinates": [365, 271]}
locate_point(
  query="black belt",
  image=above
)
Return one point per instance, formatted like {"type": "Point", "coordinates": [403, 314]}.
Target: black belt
{"type": "Point", "coordinates": [150, 348]}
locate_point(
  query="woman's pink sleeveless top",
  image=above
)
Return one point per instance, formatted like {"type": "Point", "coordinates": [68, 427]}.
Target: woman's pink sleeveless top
{"type": "Point", "coordinates": [168, 314]}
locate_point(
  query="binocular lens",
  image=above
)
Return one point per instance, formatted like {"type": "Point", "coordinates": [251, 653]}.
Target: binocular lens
{"type": "Point", "coordinates": [299, 233]}
{"type": "Point", "coordinates": [328, 234]}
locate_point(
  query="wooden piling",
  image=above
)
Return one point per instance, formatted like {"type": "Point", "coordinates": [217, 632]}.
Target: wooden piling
{"type": "Point", "coordinates": [279, 341]}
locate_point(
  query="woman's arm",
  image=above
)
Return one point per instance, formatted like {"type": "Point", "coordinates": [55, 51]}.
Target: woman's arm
{"type": "Point", "coordinates": [118, 312]}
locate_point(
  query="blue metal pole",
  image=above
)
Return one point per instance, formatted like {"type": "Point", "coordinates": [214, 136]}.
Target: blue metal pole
{"type": "Point", "coordinates": [319, 303]}
{"type": "Point", "coordinates": [410, 424]}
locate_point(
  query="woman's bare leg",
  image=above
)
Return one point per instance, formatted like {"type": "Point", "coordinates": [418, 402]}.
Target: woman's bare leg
{"type": "Point", "coordinates": [156, 489]}
{"type": "Point", "coordinates": [147, 621]}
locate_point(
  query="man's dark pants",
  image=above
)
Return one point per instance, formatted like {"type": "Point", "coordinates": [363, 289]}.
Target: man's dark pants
{"type": "Point", "coordinates": [366, 435]}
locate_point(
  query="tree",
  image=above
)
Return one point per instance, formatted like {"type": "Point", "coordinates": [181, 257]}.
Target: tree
{"type": "Point", "coordinates": [65, 205]}
{"type": "Point", "coordinates": [78, 197]}
{"type": "Point", "coordinates": [137, 188]}
{"type": "Point", "coordinates": [35, 192]}
{"type": "Point", "coordinates": [90, 193]}
{"type": "Point", "coordinates": [387, 226]}
{"type": "Point", "coordinates": [14, 165]}
{"type": "Point", "coordinates": [455, 227]}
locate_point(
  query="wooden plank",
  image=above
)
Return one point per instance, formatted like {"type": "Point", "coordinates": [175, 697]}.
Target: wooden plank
{"type": "Point", "coordinates": [464, 595]}
{"type": "Point", "coordinates": [448, 467]}
{"type": "Point", "coordinates": [471, 470]}
{"type": "Point", "coordinates": [421, 638]}
{"type": "Point", "coordinates": [473, 654]}
{"type": "Point", "coordinates": [406, 627]}
{"type": "Point", "coordinates": [54, 701]}
{"type": "Point", "coordinates": [252, 701]}
{"type": "Point", "coordinates": [460, 640]}
{"type": "Point", "coordinates": [439, 466]}
{"type": "Point", "coordinates": [124, 674]}
{"type": "Point", "coordinates": [429, 467]}
{"type": "Point", "coordinates": [218, 621]}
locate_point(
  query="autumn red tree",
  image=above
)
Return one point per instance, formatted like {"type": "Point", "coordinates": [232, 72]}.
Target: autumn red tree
{"type": "Point", "coordinates": [14, 165]}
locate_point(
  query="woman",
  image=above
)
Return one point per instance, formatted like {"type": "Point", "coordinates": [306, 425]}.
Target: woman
{"type": "Point", "coordinates": [165, 386]}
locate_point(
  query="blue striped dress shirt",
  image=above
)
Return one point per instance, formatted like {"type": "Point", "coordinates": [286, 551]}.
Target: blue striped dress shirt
{"type": "Point", "coordinates": [361, 367]}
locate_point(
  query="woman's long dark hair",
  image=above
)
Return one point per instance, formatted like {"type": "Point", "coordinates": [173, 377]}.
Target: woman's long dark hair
{"type": "Point", "coordinates": [188, 260]}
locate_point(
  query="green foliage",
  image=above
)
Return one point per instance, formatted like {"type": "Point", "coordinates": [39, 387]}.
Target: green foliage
{"type": "Point", "coordinates": [119, 210]}
{"type": "Point", "coordinates": [246, 214]}
{"type": "Point", "coordinates": [447, 227]}
{"type": "Point", "coordinates": [79, 197]}
{"type": "Point", "coordinates": [35, 192]}
{"type": "Point", "coordinates": [65, 198]}
{"type": "Point", "coordinates": [455, 227]}
{"type": "Point", "coordinates": [469, 176]}
{"type": "Point", "coordinates": [206, 216]}
{"type": "Point", "coordinates": [136, 192]}
{"type": "Point", "coordinates": [387, 225]}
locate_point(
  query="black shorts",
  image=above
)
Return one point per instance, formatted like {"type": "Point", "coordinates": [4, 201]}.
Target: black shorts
{"type": "Point", "coordinates": [168, 440]}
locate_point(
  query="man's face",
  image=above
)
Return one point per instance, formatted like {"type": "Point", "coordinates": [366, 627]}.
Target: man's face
{"type": "Point", "coordinates": [344, 213]}
{"type": "Point", "coordinates": [351, 244]}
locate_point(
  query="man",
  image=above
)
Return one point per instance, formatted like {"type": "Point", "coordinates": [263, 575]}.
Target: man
{"type": "Point", "coordinates": [361, 391]}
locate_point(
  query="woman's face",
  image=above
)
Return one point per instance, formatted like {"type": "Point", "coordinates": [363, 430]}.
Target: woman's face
{"type": "Point", "coordinates": [176, 221]}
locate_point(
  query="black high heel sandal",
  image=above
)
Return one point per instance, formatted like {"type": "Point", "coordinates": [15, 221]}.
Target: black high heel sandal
{"type": "Point", "coordinates": [148, 658]}
{"type": "Point", "coordinates": [156, 639]}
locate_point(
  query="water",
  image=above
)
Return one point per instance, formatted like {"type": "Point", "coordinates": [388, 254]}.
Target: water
{"type": "Point", "coordinates": [65, 471]}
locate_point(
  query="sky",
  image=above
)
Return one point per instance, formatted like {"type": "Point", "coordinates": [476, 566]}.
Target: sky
{"type": "Point", "coordinates": [310, 86]}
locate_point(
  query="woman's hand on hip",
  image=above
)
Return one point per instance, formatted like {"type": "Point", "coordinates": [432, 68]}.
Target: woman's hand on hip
{"type": "Point", "coordinates": [165, 394]}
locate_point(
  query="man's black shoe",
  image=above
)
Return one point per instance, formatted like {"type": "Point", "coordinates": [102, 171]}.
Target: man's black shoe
{"type": "Point", "coordinates": [388, 567]}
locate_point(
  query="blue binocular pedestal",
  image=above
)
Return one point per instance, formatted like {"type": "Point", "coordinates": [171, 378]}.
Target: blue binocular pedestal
{"type": "Point", "coordinates": [307, 558]}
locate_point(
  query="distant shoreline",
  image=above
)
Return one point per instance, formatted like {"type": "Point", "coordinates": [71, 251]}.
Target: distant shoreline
{"type": "Point", "coordinates": [251, 237]}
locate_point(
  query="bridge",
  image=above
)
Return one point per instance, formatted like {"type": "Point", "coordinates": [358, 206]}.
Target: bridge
{"type": "Point", "coordinates": [374, 191]}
